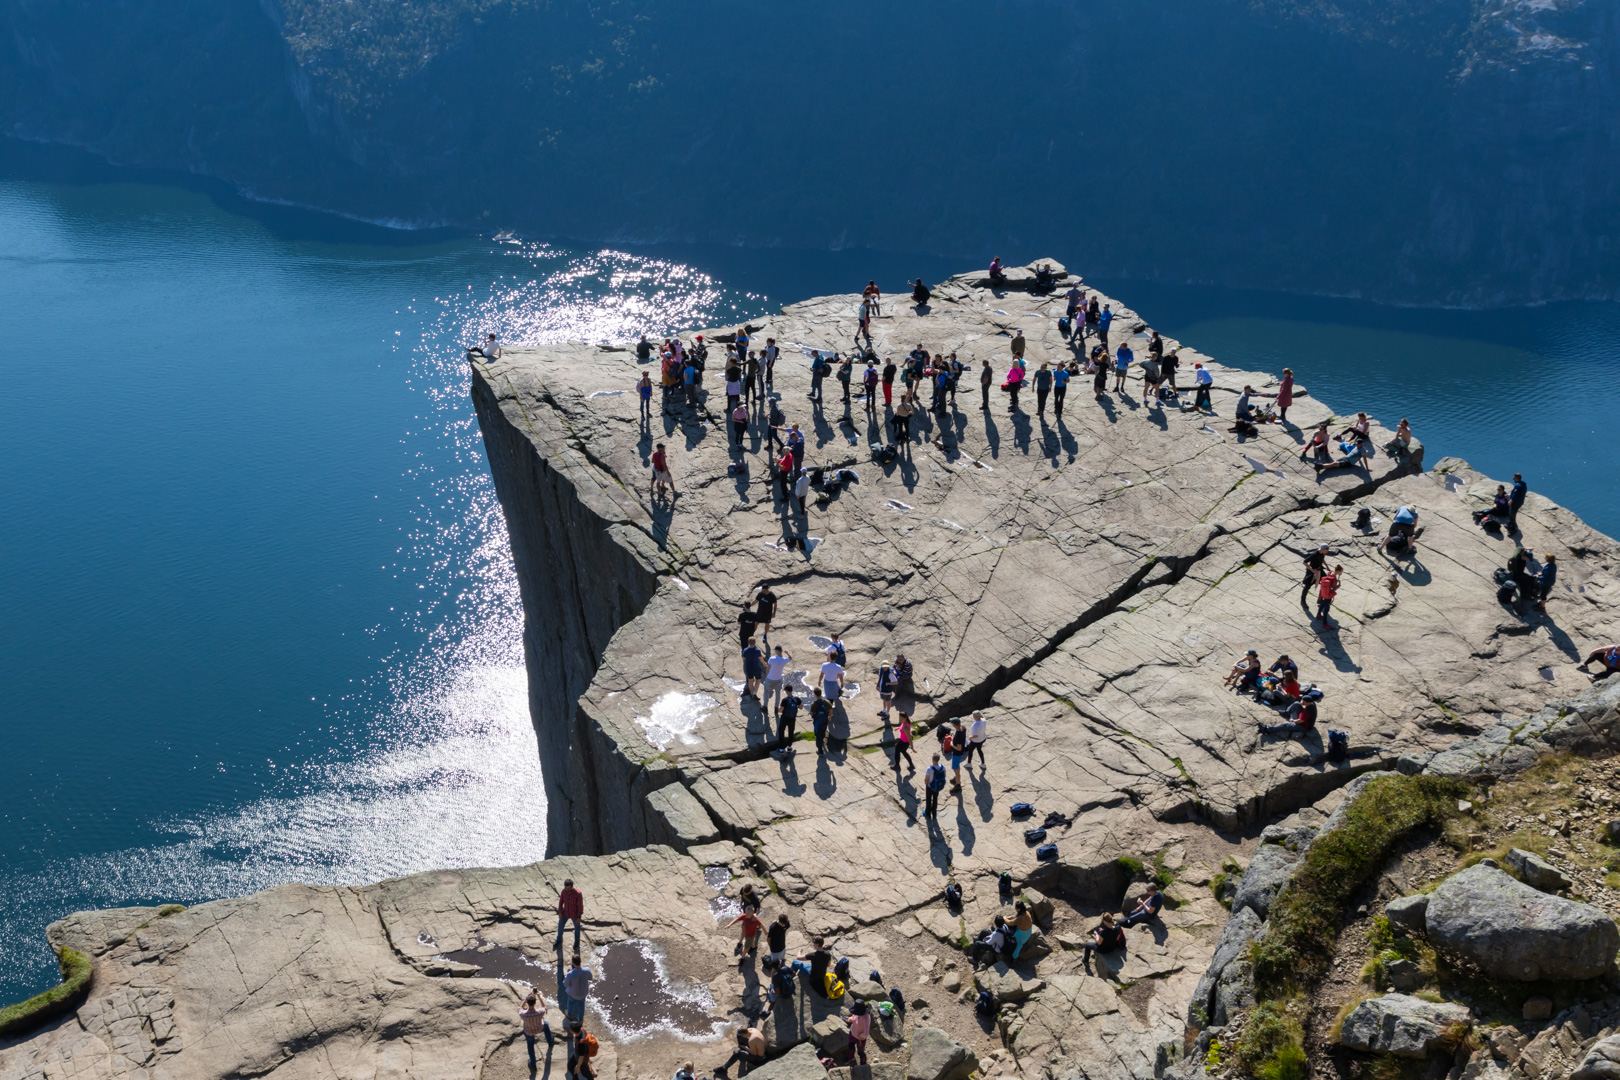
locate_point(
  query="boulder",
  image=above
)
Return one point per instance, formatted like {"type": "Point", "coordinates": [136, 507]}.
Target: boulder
{"type": "Point", "coordinates": [1040, 907]}
{"type": "Point", "coordinates": [1267, 873]}
{"type": "Point", "coordinates": [831, 1035]}
{"type": "Point", "coordinates": [1007, 983]}
{"type": "Point", "coordinates": [1409, 913]}
{"type": "Point", "coordinates": [1511, 931]}
{"type": "Point", "coordinates": [1401, 1025]}
{"type": "Point", "coordinates": [937, 1056]}
{"type": "Point", "coordinates": [1241, 929]}
{"type": "Point", "coordinates": [888, 1031]}
{"type": "Point", "coordinates": [1611, 831]}
{"type": "Point", "coordinates": [1404, 975]}
{"type": "Point", "coordinates": [1538, 1008]}
{"type": "Point", "coordinates": [800, 1063]}
{"type": "Point", "coordinates": [867, 990]}
{"type": "Point", "coordinates": [1535, 871]}
{"type": "Point", "coordinates": [1234, 991]}
{"type": "Point", "coordinates": [1602, 1062]}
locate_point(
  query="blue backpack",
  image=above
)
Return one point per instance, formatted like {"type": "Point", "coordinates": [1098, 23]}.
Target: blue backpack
{"type": "Point", "coordinates": [1022, 809]}
{"type": "Point", "coordinates": [1046, 851]}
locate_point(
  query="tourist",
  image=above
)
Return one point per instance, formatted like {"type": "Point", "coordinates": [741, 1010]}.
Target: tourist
{"type": "Point", "coordinates": [1246, 672]}
{"type": "Point", "coordinates": [986, 377]}
{"type": "Point", "coordinates": [765, 611]}
{"type": "Point", "coordinates": [747, 623]}
{"type": "Point", "coordinates": [753, 668]}
{"type": "Point", "coordinates": [1401, 445]}
{"type": "Point", "coordinates": [832, 673]}
{"type": "Point", "coordinates": [776, 940]}
{"type": "Point", "coordinates": [1146, 909]}
{"type": "Point", "coordinates": [886, 687]}
{"type": "Point", "coordinates": [869, 382]}
{"type": "Point", "coordinates": [992, 941]}
{"type": "Point", "coordinates": [820, 718]}
{"type": "Point", "coordinates": [1284, 668]}
{"type": "Point", "coordinates": [1516, 502]}
{"type": "Point", "coordinates": [781, 988]}
{"type": "Point", "coordinates": [860, 1026]}
{"type": "Point", "coordinates": [750, 1052]}
{"type": "Point", "coordinates": [1043, 387]}
{"type": "Point", "coordinates": [582, 1046]}
{"type": "Point", "coordinates": [1106, 937]}
{"type": "Point", "coordinates": [1018, 345]}
{"type": "Point", "coordinates": [661, 474]}
{"type": "Point", "coordinates": [690, 380]}
{"type": "Point", "coordinates": [933, 783]}
{"type": "Point", "coordinates": [787, 718]}
{"type": "Point", "coordinates": [687, 1071]}
{"type": "Point", "coordinates": [1023, 925]}
{"type": "Point", "coordinates": [902, 421]}
{"type": "Point", "coordinates": [739, 424]}
{"type": "Point", "coordinates": [1104, 321]}
{"type": "Point", "coordinates": [1123, 359]}
{"type": "Point", "coordinates": [1546, 579]}
{"type": "Point", "coordinates": [1099, 377]}
{"type": "Point", "coordinates": [1060, 387]}
{"type": "Point", "coordinates": [768, 375]}
{"type": "Point", "coordinates": [1076, 300]}
{"type": "Point", "coordinates": [490, 348]}
{"type": "Point", "coordinates": [775, 672]}
{"type": "Point", "coordinates": [1093, 318]}
{"type": "Point", "coordinates": [743, 341]}
{"type": "Point", "coordinates": [533, 1018]}
{"type": "Point", "coordinates": [902, 745]}
{"type": "Point", "coordinates": [1608, 656]}
{"type": "Point", "coordinates": [958, 752]}
{"type": "Point", "coordinates": [1150, 380]}
{"type": "Point", "coordinates": [1316, 447]}
{"type": "Point", "coordinates": [801, 491]}
{"type": "Point", "coordinates": [816, 962]}
{"type": "Point", "coordinates": [734, 390]}
{"type": "Point", "coordinates": [576, 987]}
{"type": "Point", "coordinates": [1015, 382]}
{"type": "Point", "coordinates": [570, 905]}
{"type": "Point", "coordinates": [1285, 394]}
{"type": "Point", "coordinates": [863, 328]}
{"type": "Point", "coordinates": [902, 674]}
{"type": "Point", "coordinates": [872, 295]}
{"type": "Point", "coordinates": [1301, 720]}
{"type": "Point", "coordinates": [1327, 587]}
{"type": "Point", "coordinates": [1167, 369]}
{"type": "Point", "coordinates": [997, 276]}
{"type": "Point", "coordinates": [977, 732]}
{"type": "Point", "coordinates": [748, 896]}
{"type": "Point", "coordinates": [1501, 511]}
{"type": "Point", "coordinates": [1203, 381]}
{"type": "Point", "coordinates": [1402, 535]}
{"type": "Point", "coordinates": [888, 383]}
{"type": "Point", "coordinates": [748, 945]}
{"type": "Point", "coordinates": [795, 445]}
{"type": "Point", "coordinates": [1315, 567]}
{"type": "Point", "coordinates": [644, 390]}
{"type": "Point", "coordinates": [818, 371]}
{"type": "Point", "coordinates": [846, 373]}
{"type": "Point", "coordinates": [784, 476]}
{"type": "Point", "coordinates": [919, 293]}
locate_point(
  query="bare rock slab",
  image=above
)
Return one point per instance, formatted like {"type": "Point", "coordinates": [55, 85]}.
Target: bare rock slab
{"type": "Point", "coordinates": [800, 1063]}
{"type": "Point", "coordinates": [1512, 931]}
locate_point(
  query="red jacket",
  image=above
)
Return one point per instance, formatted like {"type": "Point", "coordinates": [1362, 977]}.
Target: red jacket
{"type": "Point", "coordinates": [571, 904]}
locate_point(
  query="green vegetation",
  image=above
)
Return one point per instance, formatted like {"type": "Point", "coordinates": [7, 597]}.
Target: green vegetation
{"type": "Point", "coordinates": [1162, 874]}
{"type": "Point", "coordinates": [1272, 1046]}
{"type": "Point", "coordinates": [170, 909]}
{"type": "Point", "coordinates": [1130, 864]}
{"type": "Point", "coordinates": [57, 1001]}
{"type": "Point", "coordinates": [1304, 922]}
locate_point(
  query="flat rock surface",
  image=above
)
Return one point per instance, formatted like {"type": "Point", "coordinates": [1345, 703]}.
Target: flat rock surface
{"type": "Point", "coordinates": [1086, 582]}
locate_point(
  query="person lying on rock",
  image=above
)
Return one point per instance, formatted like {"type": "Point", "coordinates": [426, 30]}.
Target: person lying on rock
{"type": "Point", "coordinates": [1146, 909]}
{"type": "Point", "coordinates": [1246, 672]}
{"type": "Point", "coordinates": [750, 1052]}
{"type": "Point", "coordinates": [1106, 937]}
{"type": "Point", "coordinates": [1608, 656]}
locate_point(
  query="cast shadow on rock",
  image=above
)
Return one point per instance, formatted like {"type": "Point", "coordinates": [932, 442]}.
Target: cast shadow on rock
{"type": "Point", "coordinates": [826, 783]}
{"type": "Point", "coordinates": [791, 784]}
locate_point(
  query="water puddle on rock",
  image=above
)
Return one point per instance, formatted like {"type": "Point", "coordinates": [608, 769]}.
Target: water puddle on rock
{"type": "Point", "coordinates": [635, 995]}
{"type": "Point", "coordinates": [500, 962]}
{"type": "Point", "coordinates": [675, 717]}
{"type": "Point", "coordinates": [723, 907]}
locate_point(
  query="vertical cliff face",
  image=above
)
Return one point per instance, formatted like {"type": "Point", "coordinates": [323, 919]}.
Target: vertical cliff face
{"type": "Point", "coordinates": [579, 587]}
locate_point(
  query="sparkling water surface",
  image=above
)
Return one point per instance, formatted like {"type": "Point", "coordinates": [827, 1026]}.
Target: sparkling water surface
{"type": "Point", "coordinates": [258, 621]}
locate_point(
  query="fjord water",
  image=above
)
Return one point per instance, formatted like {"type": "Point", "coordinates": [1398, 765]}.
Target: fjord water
{"type": "Point", "coordinates": [257, 617]}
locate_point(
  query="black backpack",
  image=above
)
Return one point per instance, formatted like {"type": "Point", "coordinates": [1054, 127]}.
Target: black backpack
{"type": "Point", "coordinates": [1338, 748]}
{"type": "Point", "coordinates": [1006, 883]}
{"type": "Point", "coordinates": [986, 1005]}
{"type": "Point", "coordinates": [783, 983]}
{"type": "Point", "coordinates": [1022, 809]}
{"type": "Point", "coordinates": [1034, 836]}
{"type": "Point", "coordinates": [1046, 851]}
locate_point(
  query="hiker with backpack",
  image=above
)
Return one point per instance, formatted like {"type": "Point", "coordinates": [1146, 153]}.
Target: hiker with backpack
{"type": "Point", "coordinates": [582, 1046]}
{"type": "Point", "coordinates": [820, 719]}
{"type": "Point", "coordinates": [781, 988]}
{"type": "Point", "coordinates": [787, 719]}
{"type": "Point", "coordinates": [816, 963]}
{"type": "Point", "coordinates": [933, 784]}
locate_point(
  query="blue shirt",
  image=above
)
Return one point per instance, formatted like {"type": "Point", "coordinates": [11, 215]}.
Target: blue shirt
{"type": "Point", "coordinates": [1061, 377]}
{"type": "Point", "coordinates": [1123, 358]}
{"type": "Point", "coordinates": [1520, 488]}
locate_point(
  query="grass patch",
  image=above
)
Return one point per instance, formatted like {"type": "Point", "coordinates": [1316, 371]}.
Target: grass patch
{"type": "Point", "coordinates": [170, 909]}
{"type": "Point", "coordinates": [1272, 1046]}
{"type": "Point", "coordinates": [57, 1001]}
{"type": "Point", "coordinates": [1161, 873]}
{"type": "Point", "coordinates": [1304, 923]}
{"type": "Point", "coordinates": [1130, 864]}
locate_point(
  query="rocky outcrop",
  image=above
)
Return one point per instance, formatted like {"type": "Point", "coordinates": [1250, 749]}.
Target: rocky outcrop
{"type": "Point", "coordinates": [937, 1056]}
{"type": "Point", "coordinates": [1086, 583]}
{"type": "Point", "coordinates": [1511, 931]}
{"type": "Point", "coordinates": [1404, 1026]}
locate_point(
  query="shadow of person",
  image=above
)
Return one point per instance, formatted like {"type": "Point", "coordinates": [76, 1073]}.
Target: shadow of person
{"type": "Point", "coordinates": [1411, 570]}
{"type": "Point", "coordinates": [1333, 648]}
{"type": "Point", "coordinates": [1021, 430]}
{"type": "Point", "coordinates": [1108, 409]}
{"type": "Point", "coordinates": [992, 435]}
{"type": "Point", "coordinates": [982, 796]}
{"type": "Point", "coordinates": [791, 784]}
{"type": "Point", "coordinates": [826, 783]}
{"type": "Point", "coordinates": [756, 725]}
{"type": "Point", "coordinates": [964, 826]}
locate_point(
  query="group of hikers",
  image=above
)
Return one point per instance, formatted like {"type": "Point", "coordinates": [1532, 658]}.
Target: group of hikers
{"type": "Point", "coordinates": [1277, 686]}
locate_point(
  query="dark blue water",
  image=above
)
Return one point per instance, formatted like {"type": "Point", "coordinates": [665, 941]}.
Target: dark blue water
{"type": "Point", "coordinates": [257, 617]}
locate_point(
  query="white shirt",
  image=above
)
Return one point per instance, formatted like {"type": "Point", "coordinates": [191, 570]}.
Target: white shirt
{"type": "Point", "coordinates": [491, 349]}
{"type": "Point", "coordinates": [1204, 377]}
{"type": "Point", "coordinates": [802, 488]}
{"type": "Point", "coordinates": [777, 665]}
{"type": "Point", "coordinates": [977, 730]}
{"type": "Point", "coordinates": [830, 671]}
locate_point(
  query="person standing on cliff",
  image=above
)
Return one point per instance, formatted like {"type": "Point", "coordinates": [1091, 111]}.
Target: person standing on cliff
{"type": "Point", "coordinates": [795, 445]}
{"type": "Point", "coordinates": [753, 382]}
{"type": "Point", "coordinates": [644, 390]}
{"type": "Point", "coordinates": [661, 474]}
{"type": "Point", "coordinates": [775, 672]}
{"type": "Point", "coordinates": [986, 377]}
{"type": "Point", "coordinates": [870, 381]}
{"type": "Point", "coordinates": [820, 718]}
{"type": "Point", "coordinates": [1327, 587]}
{"type": "Point", "coordinates": [801, 492]}
{"type": "Point", "coordinates": [1043, 387]}
{"type": "Point", "coordinates": [576, 987]}
{"type": "Point", "coordinates": [864, 327]}
{"type": "Point", "coordinates": [1516, 502]}
{"type": "Point", "coordinates": [765, 609]}
{"type": "Point", "coordinates": [570, 905]}
{"type": "Point", "coordinates": [533, 1018]}
{"type": "Point", "coordinates": [933, 784]}
{"type": "Point", "coordinates": [787, 719]}
{"type": "Point", "coordinates": [1122, 366]}
{"type": "Point", "coordinates": [1104, 321]}
{"type": "Point", "coordinates": [747, 623]}
{"type": "Point", "coordinates": [1018, 344]}
{"type": "Point", "coordinates": [832, 676]}
{"type": "Point", "coordinates": [889, 370]}
{"type": "Point", "coordinates": [1315, 566]}
{"type": "Point", "coordinates": [872, 295]}
{"type": "Point", "coordinates": [767, 374]}
{"type": "Point", "coordinates": [753, 669]}
{"type": "Point", "coordinates": [1204, 381]}
{"type": "Point", "coordinates": [977, 732]}
{"type": "Point", "coordinates": [902, 745]}
{"type": "Point", "coordinates": [1060, 388]}
{"type": "Point", "coordinates": [1285, 395]}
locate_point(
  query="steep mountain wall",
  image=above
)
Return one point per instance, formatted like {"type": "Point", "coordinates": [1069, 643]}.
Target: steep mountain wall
{"type": "Point", "coordinates": [1460, 151]}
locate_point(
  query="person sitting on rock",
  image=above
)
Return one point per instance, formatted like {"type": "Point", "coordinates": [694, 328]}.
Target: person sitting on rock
{"type": "Point", "coordinates": [1402, 537]}
{"type": "Point", "coordinates": [1499, 513]}
{"type": "Point", "coordinates": [815, 963]}
{"type": "Point", "coordinates": [902, 674]}
{"type": "Point", "coordinates": [996, 274]}
{"type": "Point", "coordinates": [1146, 909]}
{"type": "Point", "coordinates": [1284, 667]}
{"type": "Point", "coordinates": [1301, 721]}
{"type": "Point", "coordinates": [1106, 937]}
{"type": "Point", "coordinates": [991, 943]}
{"type": "Point", "coordinates": [1023, 926]}
{"type": "Point", "coordinates": [782, 984]}
{"type": "Point", "coordinates": [919, 293]}
{"type": "Point", "coordinates": [687, 1071]}
{"type": "Point", "coordinates": [1608, 656]}
{"type": "Point", "coordinates": [749, 1053]}
{"type": "Point", "coordinates": [1316, 448]}
{"type": "Point", "coordinates": [1246, 672]}
{"type": "Point", "coordinates": [1401, 445]}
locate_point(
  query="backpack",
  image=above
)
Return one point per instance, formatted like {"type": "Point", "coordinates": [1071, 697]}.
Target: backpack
{"type": "Point", "coordinates": [936, 778]}
{"type": "Point", "coordinates": [874, 976]}
{"type": "Point", "coordinates": [1046, 851]}
{"type": "Point", "coordinates": [1338, 745]}
{"type": "Point", "coordinates": [835, 987]}
{"type": "Point", "coordinates": [1363, 518]}
{"type": "Point", "coordinates": [841, 969]}
{"type": "Point", "coordinates": [1034, 836]}
{"type": "Point", "coordinates": [986, 1005]}
{"type": "Point", "coordinates": [842, 658]}
{"type": "Point", "coordinates": [1063, 326]}
{"type": "Point", "coordinates": [1006, 883]}
{"type": "Point", "coordinates": [897, 999]}
{"type": "Point", "coordinates": [783, 983]}
{"type": "Point", "coordinates": [588, 1046]}
{"type": "Point", "coordinates": [1311, 693]}
{"type": "Point", "coordinates": [953, 894]}
{"type": "Point", "coordinates": [1022, 809]}
{"type": "Point", "coordinates": [777, 418]}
